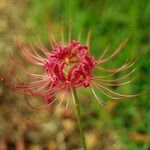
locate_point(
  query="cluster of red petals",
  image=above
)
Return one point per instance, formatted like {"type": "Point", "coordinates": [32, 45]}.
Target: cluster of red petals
{"type": "Point", "coordinates": [70, 64]}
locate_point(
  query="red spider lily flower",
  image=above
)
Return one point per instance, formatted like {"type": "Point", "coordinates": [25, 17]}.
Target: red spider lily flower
{"type": "Point", "coordinates": [68, 66]}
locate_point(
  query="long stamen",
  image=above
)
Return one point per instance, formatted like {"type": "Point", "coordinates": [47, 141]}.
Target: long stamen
{"type": "Point", "coordinates": [97, 98]}
{"type": "Point", "coordinates": [25, 71]}
{"type": "Point", "coordinates": [62, 98]}
{"type": "Point", "coordinates": [124, 67]}
{"type": "Point", "coordinates": [25, 87]}
{"type": "Point", "coordinates": [69, 32]}
{"type": "Point", "coordinates": [35, 83]}
{"type": "Point", "coordinates": [44, 106]}
{"type": "Point", "coordinates": [32, 59]}
{"type": "Point", "coordinates": [123, 43]}
{"type": "Point", "coordinates": [117, 69]}
{"type": "Point", "coordinates": [79, 36]}
{"type": "Point", "coordinates": [29, 57]}
{"type": "Point", "coordinates": [62, 33]}
{"type": "Point", "coordinates": [118, 94]}
{"type": "Point", "coordinates": [67, 104]}
{"type": "Point", "coordinates": [73, 97]}
{"type": "Point", "coordinates": [42, 48]}
{"type": "Point", "coordinates": [52, 39]}
{"type": "Point", "coordinates": [88, 38]}
{"type": "Point", "coordinates": [117, 84]}
{"type": "Point", "coordinates": [105, 92]}
{"type": "Point", "coordinates": [66, 94]}
{"type": "Point", "coordinates": [104, 52]}
{"type": "Point", "coordinates": [51, 42]}
{"type": "Point", "coordinates": [32, 48]}
{"type": "Point", "coordinates": [42, 87]}
{"type": "Point", "coordinates": [118, 79]}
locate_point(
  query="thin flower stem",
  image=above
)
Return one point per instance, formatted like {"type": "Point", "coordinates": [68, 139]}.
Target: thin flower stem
{"type": "Point", "coordinates": [79, 118]}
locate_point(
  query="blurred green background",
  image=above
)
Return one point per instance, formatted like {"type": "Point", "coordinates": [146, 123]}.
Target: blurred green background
{"type": "Point", "coordinates": [127, 124]}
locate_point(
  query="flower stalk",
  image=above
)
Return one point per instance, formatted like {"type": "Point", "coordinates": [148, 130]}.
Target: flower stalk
{"type": "Point", "coordinates": [79, 118]}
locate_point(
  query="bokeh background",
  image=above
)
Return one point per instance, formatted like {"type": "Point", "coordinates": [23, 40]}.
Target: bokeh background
{"type": "Point", "coordinates": [127, 124]}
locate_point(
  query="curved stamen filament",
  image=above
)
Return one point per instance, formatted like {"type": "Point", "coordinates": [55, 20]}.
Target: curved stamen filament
{"type": "Point", "coordinates": [25, 71]}
{"type": "Point", "coordinates": [40, 57]}
{"type": "Point", "coordinates": [62, 99]}
{"type": "Point", "coordinates": [42, 48]}
{"type": "Point", "coordinates": [118, 79]}
{"type": "Point", "coordinates": [62, 33]}
{"type": "Point", "coordinates": [123, 43]}
{"type": "Point", "coordinates": [29, 57]}
{"type": "Point", "coordinates": [117, 84]}
{"type": "Point", "coordinates": [118, 94]}
{"type": "Point", "coordinates": [104, 53]}
{"type": "Point", "coordinates": [105, 92]}
{"type": "Point", "coordinates": [32, 59]}
{"type": "Point", "coordinates": [69, 32]}
{"type": "Point", "coordinates": [97, 98]}
{"type": "Point", "coordinates": [46, 105]}
{"type": "Point", "coordinates": [88, 39]}
{"type": "Point", "coordinates": [124, 67]}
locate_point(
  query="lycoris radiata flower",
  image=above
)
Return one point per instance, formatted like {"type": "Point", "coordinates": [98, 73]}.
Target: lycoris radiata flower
{"type": "Point", "coordinates": [66, 66]}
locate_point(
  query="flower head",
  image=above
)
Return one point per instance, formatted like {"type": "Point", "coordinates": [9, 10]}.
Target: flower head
{"type": "Point", "coordinates": [67, 66]}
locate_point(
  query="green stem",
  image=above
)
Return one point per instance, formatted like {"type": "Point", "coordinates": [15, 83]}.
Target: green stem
{"type": "Point", "coordinates": [79, 118]}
